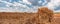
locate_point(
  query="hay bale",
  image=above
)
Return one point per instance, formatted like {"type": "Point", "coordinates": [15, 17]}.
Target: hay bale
{"type": "Point", "coordinates": [45, 14]}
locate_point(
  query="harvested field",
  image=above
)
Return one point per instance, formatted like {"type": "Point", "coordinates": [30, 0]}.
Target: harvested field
{"type": "Point", "coordinates": [16, 15]}
{"type": "Point", "coordinates": [18, 18]}
{"type": "Point", "coordinates": [21, 18]}
{"type": "Point", "coordinates": [57, 18]}
{"type": "Point", "coordinates": [43, 16]}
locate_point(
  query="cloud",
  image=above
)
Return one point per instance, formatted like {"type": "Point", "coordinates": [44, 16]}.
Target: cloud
{"type": "Point", "coordinates": [26, 2]}
{"type": "Point", "coordinates": [57, 11]}
{"type": "Point", "coordinates": [34, 2]}
{"type": "Point", "coordinates": [53, 5]}
{"type": "Point", "coordinates": [17, 7]}
{"type": "Point", "coordinates": [28, 5]}
{"type": "Point", "coordinates": [39, 2]}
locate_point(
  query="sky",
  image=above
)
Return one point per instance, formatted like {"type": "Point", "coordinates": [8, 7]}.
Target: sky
{"type": "Point", "coordinates": [28, 5]}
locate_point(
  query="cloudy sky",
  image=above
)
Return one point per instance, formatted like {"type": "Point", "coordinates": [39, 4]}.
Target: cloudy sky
{"type": "Point", "coordinates": [28, 5]}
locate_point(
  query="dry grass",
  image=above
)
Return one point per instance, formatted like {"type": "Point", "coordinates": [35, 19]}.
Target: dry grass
{"type": "Point", "coordinates": [41, 17]}
{"type": "Point", "coordinates": [23, 18]}
{"type": "Point", "coordinates": [18, 18]}
{"type": "Point", "coordinates": [57, 18]}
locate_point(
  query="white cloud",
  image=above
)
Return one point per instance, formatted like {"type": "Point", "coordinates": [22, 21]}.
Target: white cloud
{"type": "Point", "coordinates": [0, 0]}
{"type": "Point", "coordinates": [16, 7]}
{"type": "Point", "coordinates": [57, 11]}
{"type": "Point", "coordinates": [6, 9]}
{"type": "Point", "coordinates": [26, 1]}
{"type": "Point", "coordinates": [51, 5]}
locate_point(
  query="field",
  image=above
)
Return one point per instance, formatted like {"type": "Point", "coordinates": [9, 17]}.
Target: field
{"type": "Point", "coordinates": [57, 18]}
{"type": "Point", "coordinates": [17, 18]}
{"type": "Point", "coordinates": [23, 18]}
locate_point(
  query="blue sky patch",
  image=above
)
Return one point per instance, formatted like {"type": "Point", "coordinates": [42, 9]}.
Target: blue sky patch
{"type": "Point", "coordinates": [27, 5]}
